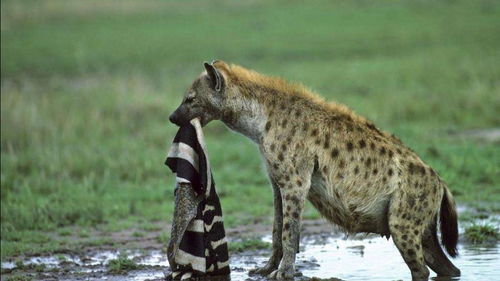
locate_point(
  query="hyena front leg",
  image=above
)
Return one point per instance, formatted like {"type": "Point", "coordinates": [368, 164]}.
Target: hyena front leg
{"type": "Point", "coordinates": [277, 253]}
{"type": "Point", "coordinates": [293, 193]}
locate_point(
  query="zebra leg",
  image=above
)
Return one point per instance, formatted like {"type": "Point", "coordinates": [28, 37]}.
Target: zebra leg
{"type": "Point", "coordinates": [277, 252]}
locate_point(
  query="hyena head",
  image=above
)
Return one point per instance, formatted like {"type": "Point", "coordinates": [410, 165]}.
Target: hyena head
{"type": "Point", "coordinates": [204, 99]}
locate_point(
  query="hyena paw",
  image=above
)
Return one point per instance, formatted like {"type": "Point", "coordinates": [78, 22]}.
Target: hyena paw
{"type": "Point", "coordinates": [264, 270]}
{"type": "Point", "coordinates": [282, 273]}
{"type": "Point", "coordinates": [271, 265]}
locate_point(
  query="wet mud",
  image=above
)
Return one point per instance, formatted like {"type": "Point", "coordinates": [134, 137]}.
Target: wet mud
{"type": "Point", "coordinates": [323, 254]}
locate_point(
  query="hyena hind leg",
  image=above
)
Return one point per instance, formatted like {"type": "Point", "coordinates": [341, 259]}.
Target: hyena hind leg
{"type": "Point", "coordinates": [434, 255]}
{"type": "Point", "coordinates": [407, 235]}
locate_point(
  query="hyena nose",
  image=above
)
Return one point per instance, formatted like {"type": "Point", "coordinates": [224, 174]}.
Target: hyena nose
{"type": "Point", "coordinates": [173, 118]}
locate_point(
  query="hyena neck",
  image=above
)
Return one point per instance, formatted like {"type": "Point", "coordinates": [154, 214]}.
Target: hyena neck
{"type": "Point", "coordinates": [247, 117]}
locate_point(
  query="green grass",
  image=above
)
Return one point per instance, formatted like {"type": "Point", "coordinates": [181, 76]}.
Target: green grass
{"type": "Point", "coordinates": [478, 234]}
{"type": "Point", "coordinates": [248, 244]}
{"type": "Point", "coordinates": [472, 217]}
{"type": "Point", "coordinates": [163, 238]}
{"type": "Point", "coordinates": [36, 267]}
{"type": "Point", "coordinates": [87, 87]}
{"type": "Point", "coordinates": [121, 265]}
{"type": "Point", "coordinates": [19, 278]}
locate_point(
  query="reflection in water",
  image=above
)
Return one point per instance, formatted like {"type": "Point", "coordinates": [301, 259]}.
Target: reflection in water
{"type": "Point", "coordinates": [381, 261]}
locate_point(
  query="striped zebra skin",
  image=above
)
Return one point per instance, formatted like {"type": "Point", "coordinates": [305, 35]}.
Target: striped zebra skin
{"type": "Point", "coordinates": [202, 251]}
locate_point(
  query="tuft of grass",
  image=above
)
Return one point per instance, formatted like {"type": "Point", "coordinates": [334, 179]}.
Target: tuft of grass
{"type": "Point", "coordinates": [35, 267]}
{"type": "Point", "coordinates": [478, 234]}
{"type": "Point", "coordinates": [19, 264]}
{"type": "Point", "coordinates": [122, 265]}
{"type": "Point", "coordinates": [163, 238]}
{"type": "Point", "coordinates": [19, 277]}
{"type": "Point", "coordinates": [83, 233]}
{"type": "Point", "coordinates": [468, 216]}
{"type": "Point", "coordinates": [138, 234]}
{"type": "Point", "coordinates": [248, 245]}
{"type": "Point", "coordinates": [97, 242]}
{"type": "Point", "coordinates": [64, 232]}
{"type": "Point", "coordinates": [148, 227]}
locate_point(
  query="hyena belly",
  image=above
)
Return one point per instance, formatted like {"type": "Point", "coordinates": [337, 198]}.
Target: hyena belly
{"type": "Point", "coordinates": [353, 212]}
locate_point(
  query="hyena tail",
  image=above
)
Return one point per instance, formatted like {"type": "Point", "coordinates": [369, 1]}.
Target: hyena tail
{"type": "Point", "coordinates": [449, 225]}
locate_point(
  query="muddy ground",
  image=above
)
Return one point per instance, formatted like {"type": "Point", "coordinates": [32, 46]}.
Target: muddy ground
{"type": "Point", "coordinates": [147, 250]}
{"type": "Point", "coordinates": [325, 253]}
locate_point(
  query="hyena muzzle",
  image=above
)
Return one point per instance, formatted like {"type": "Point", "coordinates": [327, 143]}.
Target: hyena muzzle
{"type": "Point", "coordinates": [357, 176]}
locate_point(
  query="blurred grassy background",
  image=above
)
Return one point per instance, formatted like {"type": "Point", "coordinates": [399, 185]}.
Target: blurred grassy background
{"type": "Point", "coordinates": [87, 87]}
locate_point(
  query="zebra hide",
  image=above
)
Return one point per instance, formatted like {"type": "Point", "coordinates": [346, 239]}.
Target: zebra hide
{"type": "Point", "coordinates": [197, 246]}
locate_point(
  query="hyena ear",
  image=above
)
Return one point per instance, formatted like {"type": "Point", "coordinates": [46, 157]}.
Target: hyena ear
{"type": "Point", "coordinates": [215, 77]}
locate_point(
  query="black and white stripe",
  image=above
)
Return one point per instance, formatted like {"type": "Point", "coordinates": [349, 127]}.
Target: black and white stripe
{"type": "Point", "coordinates": [203, 249]}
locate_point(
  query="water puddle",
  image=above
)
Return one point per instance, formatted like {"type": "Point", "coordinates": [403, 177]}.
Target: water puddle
{"type": "Point", "coordinates": [378, 259]}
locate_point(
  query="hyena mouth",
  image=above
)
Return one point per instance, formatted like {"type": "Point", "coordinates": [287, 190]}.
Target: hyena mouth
{"type": "Point", "coordinates": [203, 121]}
{"type": "Point", "coordinates": [181, 120]}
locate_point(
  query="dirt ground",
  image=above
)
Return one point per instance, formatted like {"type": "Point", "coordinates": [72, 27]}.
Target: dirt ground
{"type": "Point", "coordinates": [67, 265]}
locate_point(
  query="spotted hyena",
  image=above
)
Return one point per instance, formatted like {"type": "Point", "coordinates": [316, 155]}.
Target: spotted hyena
{"type": "Point", "coordinates": [357, 176]}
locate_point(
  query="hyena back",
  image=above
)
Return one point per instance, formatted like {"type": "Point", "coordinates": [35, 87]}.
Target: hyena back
{"type": "Point", "coordinates": [356, 175]}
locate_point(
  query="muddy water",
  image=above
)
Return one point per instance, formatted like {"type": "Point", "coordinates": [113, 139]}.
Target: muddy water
{"type": "Point", "coordinates": [321, 256]}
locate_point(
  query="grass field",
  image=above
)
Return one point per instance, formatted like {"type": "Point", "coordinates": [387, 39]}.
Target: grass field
{"type": "Point", "coordinates": [87, 87]}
